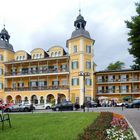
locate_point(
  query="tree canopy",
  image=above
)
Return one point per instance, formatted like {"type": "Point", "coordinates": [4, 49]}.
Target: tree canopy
{"type": "Point", "coordinates": [115, 66]}
{"type": "Point", "coordinates": [134, 37]}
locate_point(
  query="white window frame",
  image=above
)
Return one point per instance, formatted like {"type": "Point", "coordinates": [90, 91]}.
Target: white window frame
{"type": "Point", "coordinates": [64, 82]}
{"type": "Point", "coordinates": [75, 81]}
{"type": "Point", "coordinates": [74, 66]}
{"type": "Point", "coordinates": [75, 49]}
{"type": "Point", "coordinates": [88, 49]}
{"type": "Point", "coordinates": [88, 64]}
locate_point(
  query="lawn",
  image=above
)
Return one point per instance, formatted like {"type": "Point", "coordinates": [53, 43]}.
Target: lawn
{"type": "Point", "coordinates": [47, 126]}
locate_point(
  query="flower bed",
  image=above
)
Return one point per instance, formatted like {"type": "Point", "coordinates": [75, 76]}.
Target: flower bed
{"type": "Point", "coordinates": [108, 126]}
{"type": "Point", "coordinates": [119, 129]}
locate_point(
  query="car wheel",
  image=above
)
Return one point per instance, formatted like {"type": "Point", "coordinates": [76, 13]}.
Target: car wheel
{"type": "Point", "coordinates": [47, 107]}
{"type": "Point", "coordinates": [57, 109]}
{"type": "Point", "coordinates": [26, 109]}
{"type": "Point", "coordinates": [8, 110]}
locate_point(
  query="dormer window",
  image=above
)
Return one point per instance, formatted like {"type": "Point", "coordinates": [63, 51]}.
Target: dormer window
{"type": "Point", "coordinates": [17, 58]}
{"type": "Point", "coordinates": [59, 53]}
{"type": "Point", "coordinates": [56, 54]}
{"type": "Point", "coordinates": [52, 54]}
{"type": "Point", "coordinates": [34, 56]}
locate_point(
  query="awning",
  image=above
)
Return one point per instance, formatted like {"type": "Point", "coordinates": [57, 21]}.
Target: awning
{"type": "Point", "coordinates": [102, 98]}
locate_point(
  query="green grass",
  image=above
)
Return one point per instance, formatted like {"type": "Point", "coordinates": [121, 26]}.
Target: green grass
{"type": "Point", "coordinates": [47, 126]}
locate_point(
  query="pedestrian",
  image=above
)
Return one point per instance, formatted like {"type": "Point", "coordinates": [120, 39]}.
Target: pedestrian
{"type": "Point", "coordinates": [31, 107]}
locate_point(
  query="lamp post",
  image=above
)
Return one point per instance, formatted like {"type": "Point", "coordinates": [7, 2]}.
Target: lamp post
{"type": "Point", "coordinates": [84, 74]}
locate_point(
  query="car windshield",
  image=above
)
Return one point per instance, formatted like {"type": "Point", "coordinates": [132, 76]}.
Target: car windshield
{"type": "Point", "coordinates": [136, 101]}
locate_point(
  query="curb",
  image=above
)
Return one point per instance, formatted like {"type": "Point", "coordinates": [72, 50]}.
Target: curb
{"type": "Point", "coordinates": [134, 132]}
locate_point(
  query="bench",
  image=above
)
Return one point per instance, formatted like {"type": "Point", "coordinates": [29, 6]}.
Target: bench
{"type": "Point", "coordinates": [5, 117]}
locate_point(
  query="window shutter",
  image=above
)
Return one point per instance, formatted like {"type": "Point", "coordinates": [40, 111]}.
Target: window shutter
{"type": "Point", "coordinates": [90, 82]}
{"type": "Point", "coordinates": [77, 81]}
{"type": "Point", "coordinates": [72, 81]}
{"type": "Point", "coordinates": [72, 65]}
{"type": "Point", "coordinates": [89, 49]}
{"type": "Point", "coordinates": [45, 83]}
{"type": "Point", "coordinates": [52, 82]}
{"type": "Point", "coordinates": [36, 83]}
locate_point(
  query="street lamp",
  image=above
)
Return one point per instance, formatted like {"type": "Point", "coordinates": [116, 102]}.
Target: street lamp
{"type": "Point", "coordinates": [84, 74]}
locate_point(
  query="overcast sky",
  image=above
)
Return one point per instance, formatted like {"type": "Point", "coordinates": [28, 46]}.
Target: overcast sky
{"type": "Point", "coordinates": [45, 23]}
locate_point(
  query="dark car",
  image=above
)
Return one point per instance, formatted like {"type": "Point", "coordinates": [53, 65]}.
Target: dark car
{"type": "Point", "coordinates": [63, 106]}
{"type": "Point", "coordinates": [18, 108]}
{"type": "Point", "coordinates": [91, 104]}
{"type": "Point", "coordinates": [135, 103]}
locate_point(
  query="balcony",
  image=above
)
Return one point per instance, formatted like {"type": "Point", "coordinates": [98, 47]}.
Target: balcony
{"type": "Point", "coordinates": [66, 87]}
{"type": "Point", "coordinates": [125, 80]}
{"type": "Point", "coordinates": [133, 91]}
{"type": "Point", "coordinates": [37, 72]}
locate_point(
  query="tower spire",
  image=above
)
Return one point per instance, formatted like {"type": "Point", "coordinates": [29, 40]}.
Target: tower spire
{"type": "Point", "coordinates": [79, 7]}
{"type": "Point", "coordinates": [79, 11]}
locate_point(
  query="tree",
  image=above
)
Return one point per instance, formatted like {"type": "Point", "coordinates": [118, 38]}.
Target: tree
{"type": "Point", "coordinates": [134, 37]}
{"type": "Point", "coordinates": [115, 66]}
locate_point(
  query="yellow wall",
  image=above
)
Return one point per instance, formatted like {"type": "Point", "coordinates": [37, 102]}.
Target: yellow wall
{"type": "Point", "coordinates": [7, 56]}
{"type": "Point", "coordinates": [81, 56]}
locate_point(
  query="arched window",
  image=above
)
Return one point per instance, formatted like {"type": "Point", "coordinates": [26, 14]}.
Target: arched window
{"type": "Point", "coordinates": [52, 54]}
{"type": "Point", "coordinates": [56, 54]}
{"type": "Point", "coordinates": [17, 58]}
{"type": "Point", "coordinates": [34, 56]}
{"type": "Point", "coordinates": [59, 53]}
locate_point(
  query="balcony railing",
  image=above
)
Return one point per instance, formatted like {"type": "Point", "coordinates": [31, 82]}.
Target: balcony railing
{"type": "Point", "coordinates": [31, 72]}
{"type": "Point", "coordinates": [118, 80]}
{"type": "Point", "coordinates": [38, 88]}
{"type": "Point", "coordinates": [118, 91]}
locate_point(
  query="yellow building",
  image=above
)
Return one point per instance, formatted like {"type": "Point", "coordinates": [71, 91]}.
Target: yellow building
{"type": "Point", "coordinates": [43, 76]}
{"type": "Point", "coordinates": [56, 75]}
{"type": "Point", "coordinates": [117, 85]}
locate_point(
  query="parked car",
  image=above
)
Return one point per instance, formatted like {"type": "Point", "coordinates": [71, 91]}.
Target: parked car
{"type": "Point", "coordinates": [93, 104]}
{"type": "Point", "coordinates": [90, 104]}
{"type": "Point", "coordinates": [38, 106]}
{"type": "Point", "coordinates": [63, 106]}
{"type": "Point", "coordinates": [120, 104]}
{"type": "Point", "coordinates": [18, 108]}
{"type": "Point", "coordinates": [48, 106]}
{"type": "Point", "coordinates": [1, 106]}
{"type": "Point", "coordinates": [133, 104]}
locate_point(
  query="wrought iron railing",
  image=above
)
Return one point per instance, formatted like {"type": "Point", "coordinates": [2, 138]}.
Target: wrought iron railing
{"type": "Point", "coordinates": [30, 72]}
{"type": "Point", "coordinates": [38, 88]}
